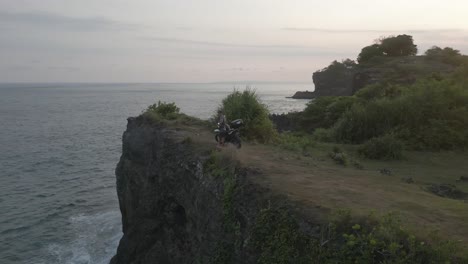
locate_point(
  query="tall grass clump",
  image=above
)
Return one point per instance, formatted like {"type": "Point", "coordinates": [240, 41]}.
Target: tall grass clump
{"type": "Point", "coordinates": [246, 105]}
{"type": "Point", "coordinates": [385, 147]}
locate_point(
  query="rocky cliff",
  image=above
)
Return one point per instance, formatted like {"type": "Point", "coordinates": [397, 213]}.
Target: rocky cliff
{"type": "Point", "coordinates": [183, 203]}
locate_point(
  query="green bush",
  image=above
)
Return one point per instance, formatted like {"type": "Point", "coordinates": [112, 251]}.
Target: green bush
{"type": "Point", "coordinates": [384, 147]}
{"type": "Point", "coordinates": [379, 90]}
{"type": "Point", "coordinates": [430, 114]}
{"type": "Point", "coordinates": [323, 134]}
{"type": "Point", "coordinates": [247, 106]}
{"type": "Point", "coordinates": [163, 110]}
{"type": "Point", "coordinates": [339, 156]}
{"type": "Point", "coordinates": [323, 112]}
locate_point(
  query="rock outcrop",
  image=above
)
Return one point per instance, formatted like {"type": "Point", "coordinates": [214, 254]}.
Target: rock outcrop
{"type": "Point", "coordinates": [179, 206]}
{"type": "Point", "coordinates": [333, 83]}
{"type": "Point", "coordinates": [303, 95]}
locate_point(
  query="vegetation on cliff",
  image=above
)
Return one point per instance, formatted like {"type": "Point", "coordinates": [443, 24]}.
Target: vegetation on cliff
{"type": "Point", "coordinates": [392, 46]}
{"type": "Point", "coordinates": [276, 235]}
{"type": "Point", "coordinates": [247, 106]}
{"type": "Point", "coordinates": [430, 112]}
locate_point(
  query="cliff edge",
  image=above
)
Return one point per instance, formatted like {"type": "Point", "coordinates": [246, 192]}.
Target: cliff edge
{"type": "Point", "coordinates": [183, 203]}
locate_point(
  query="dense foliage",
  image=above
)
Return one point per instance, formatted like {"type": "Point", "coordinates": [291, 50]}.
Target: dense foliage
{"type": "Point", "coordinates": [430, 114]}
{"type": "Point", "coordinates": [384, 147]}
{"type": "Point", "coordinates": [370, 52]}
{"type": "Point", "coordinates": [247, 106]}
{"type": "Point", "coordinates": [392, 46]}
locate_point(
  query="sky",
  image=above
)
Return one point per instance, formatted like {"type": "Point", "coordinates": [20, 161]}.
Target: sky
{"type": "Point", "coordinates": [208, 40]}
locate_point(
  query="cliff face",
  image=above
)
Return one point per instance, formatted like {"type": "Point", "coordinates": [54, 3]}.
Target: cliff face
{"type": "Point", "coordinates": [178, 207]}
{"type": "Point", "coordinates": [333, 83]}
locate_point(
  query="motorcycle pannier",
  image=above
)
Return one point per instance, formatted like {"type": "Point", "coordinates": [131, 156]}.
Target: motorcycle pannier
{"type": "Point", "coordinates": [236, 123]}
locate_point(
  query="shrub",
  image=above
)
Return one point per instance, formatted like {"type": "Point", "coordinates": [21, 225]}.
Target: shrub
{"type": "Point", "coordinates": [430, 114]}
{"type": "Point", "coordinates": [384, 147]}
{"type": "Point", "coordinates": [247, 106]}
{"type": "Point", "coordinates": [379, 90]}
{"type": "Point", "coordinates": [323, 134]}
{"type": "Point", "coordinates": [163, 110]}
{"type": "Point", "coordinates": [323, 112]}
{"type": "Point", "coordinates": [339, 156]}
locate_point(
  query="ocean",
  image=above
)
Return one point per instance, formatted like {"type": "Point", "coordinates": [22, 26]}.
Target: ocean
{"type": "Point", "coordinates": [59, 145]}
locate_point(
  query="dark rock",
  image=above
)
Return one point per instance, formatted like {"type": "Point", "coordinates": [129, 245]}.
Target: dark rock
{"type": "Point", "coordinates": [386, 171]}
{"type": "Point", "coordinates": [447, 190]}
{"type": "Point", "coordinates": [304, 95]}
{"type": "Point", "coordinates": [408, 180]}
{"type": "Point", "coordinates": [463, 179]}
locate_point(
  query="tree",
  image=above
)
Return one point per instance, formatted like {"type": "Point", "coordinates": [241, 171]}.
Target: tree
{"type": "Point", "coordinates": [447, 55]}
{"type": "Point", "coordinates": [401, 45]}
{"type": "Point", "coordinates": [369, 52]}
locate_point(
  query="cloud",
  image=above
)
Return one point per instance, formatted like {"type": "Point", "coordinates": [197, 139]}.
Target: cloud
{"type": "Point", "coordinates": [208, 48]}
{"type": "Point", "coordinates": [219, 44]}
{"type": "Point", "coordinates": [327, 30]}
{"type": "Point", "coordinates": [55, 21]}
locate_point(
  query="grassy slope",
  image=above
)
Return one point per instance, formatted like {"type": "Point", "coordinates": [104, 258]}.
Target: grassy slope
{"type": "Point", "coordinates": [318, 182]}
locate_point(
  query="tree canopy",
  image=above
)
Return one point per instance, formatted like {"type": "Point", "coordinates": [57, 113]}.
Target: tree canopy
{"type": "Point", "coordinates": [401, 45]}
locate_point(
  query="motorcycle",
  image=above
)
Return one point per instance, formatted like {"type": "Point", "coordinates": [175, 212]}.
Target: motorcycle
{"type": "Point", "coordinates": [231, 135]}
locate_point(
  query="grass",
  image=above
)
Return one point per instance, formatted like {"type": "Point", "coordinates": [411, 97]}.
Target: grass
{"type": "Point", "coordinates": [319, 182]}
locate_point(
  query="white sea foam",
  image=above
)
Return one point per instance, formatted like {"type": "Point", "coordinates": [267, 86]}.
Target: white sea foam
{"type": "Point", "coordinates": [96, 239]}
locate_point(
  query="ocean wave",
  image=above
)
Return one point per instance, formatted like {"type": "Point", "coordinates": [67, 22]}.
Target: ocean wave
{"type": "Point", "coordinates": [96, 237]}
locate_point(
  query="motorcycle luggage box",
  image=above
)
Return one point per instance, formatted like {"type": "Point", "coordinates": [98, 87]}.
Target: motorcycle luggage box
{"type": "Point", "coordinates": [236, 123]}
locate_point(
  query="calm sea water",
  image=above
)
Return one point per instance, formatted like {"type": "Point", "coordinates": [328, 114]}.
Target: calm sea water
{"type": "Point", "coordinates": [59, 145]}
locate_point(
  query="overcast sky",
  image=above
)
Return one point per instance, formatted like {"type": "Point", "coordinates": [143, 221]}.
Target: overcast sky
{"type": "Point", "coordinates": [208, 40]}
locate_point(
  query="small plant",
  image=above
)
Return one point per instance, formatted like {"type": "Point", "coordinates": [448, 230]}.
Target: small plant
{"type": "Point", "coordinates": [384, 147]}
{"type": "Point", "coordinates": [339, 156]}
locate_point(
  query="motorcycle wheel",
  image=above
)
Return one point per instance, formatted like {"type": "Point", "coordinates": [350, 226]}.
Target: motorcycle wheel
{"type": "Point", "coordinates": [216, 138]}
